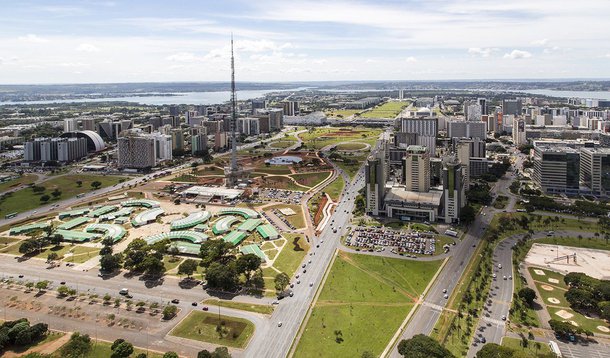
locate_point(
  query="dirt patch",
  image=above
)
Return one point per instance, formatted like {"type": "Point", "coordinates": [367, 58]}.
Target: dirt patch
{"type": "Point", "coordinates": [539, 272]}
{"type": "Point", "coordinates": [553, 300]}
{"type": "Point", "coordinates": [547, 288]}
{"type": "Point", "coordinates": [564, 314]}
{"type": "Point", "coordinates": [603, 329]}
{"type": "Point", "coordinates": [553, 280]}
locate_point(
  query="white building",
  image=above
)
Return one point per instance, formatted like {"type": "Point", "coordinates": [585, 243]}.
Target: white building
{"type": "Point", "coordinates": [70, 124]}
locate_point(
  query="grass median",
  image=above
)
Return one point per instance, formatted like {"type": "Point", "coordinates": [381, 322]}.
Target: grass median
{"type": "Point", "coordinates": [216, 329]}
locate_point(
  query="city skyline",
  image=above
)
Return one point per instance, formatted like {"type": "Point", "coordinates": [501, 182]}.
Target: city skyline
{"type": "Point", "coordinates": [114, 41]}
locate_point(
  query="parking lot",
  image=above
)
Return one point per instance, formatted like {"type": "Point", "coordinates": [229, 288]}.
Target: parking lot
{"type": "Point", "coordinates": [286, 196]}
{"type": "Point", "coordinates": [399, 241]}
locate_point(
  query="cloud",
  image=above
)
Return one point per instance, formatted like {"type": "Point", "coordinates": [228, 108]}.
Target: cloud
{"type": "Point", "coordinates": [85, 47]}
{"type": "Point", "coordinates": [32, 39]}
{"type": "Point", "coordinates": [183, 57]}
{"type": "Point", "coordinates": [607, 55]}
{"type": "Point", "coordinates": [542, 42]}
{"type": "Point", "coordinates": [411, 59]}
{"type": "Point", "coordinates": [483, 52]}
{"type": "Point", "coordinates": [517, 54]}
{"type": "Point", "coordinates": [551, 49]}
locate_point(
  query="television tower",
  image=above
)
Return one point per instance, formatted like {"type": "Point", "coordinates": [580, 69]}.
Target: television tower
{"type": "Point", "coordinates": [233, 114]}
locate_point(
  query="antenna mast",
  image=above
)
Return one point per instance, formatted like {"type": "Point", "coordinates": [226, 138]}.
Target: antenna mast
{"type": "Point", "coordinates": [233, 115]}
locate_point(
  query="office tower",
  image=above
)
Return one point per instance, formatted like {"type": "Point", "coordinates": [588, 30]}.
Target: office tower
{"type": "Point", "coordinates": [426, 129]}
{"type": "Point", "coordinates": [556, 169]}
{"type": "Point", "coordinates": [462, 152]}
{"type": "Point", "coordinates": [465, 129]}
{"type": "Point", "coordinates": [174, 111]}
{"type": "Point", "coordinates": [453, 189]}
{"type": "Point", "coordinates": [375, 178]}
{"type": "Point", "coordinates": [177, 139]}
{"type": "Point", "coordinates": [70, 149]}
{"type": "Point", "coordinates": [173, 121]}
{"type": "Point", "coordinates": [291, 108]}
{"type": "Point", "coordinates": [48, 150]}
{"type": "Point", "coordinates": [416, 169]}
{"type": "Point", "coordinates": [401, 94]}
{"type": "Point", "coordinates": [519, 131]}
{"type": "Point", "coordinates": [155, 122]}
{"type": "Point", "coordinates": [163, 146]}
{"type": "Point", "coordinates": [512, 106]}
{"type": "Point", "coordinates": [472, 112]}
{"type": "Point", "coordinates": [595, 170]}
{"type": "Point", "coordinates": [276, 119]}
{"type": "Point", "coordinates": [199, 144]}
{"type": "Point", "coordinates": [248, 126]}
{"type": "Point", "coordinates": [483, 103]}
{"type": "Point", "coordinates": [137, 152]}
{"type": "Point", "coordinates": [213, 126]}
{"type": "Point", "coordinates": [111, 130]}
{"type": "Point", "coordinates": [166, 129]}
{"type": "Point", "coordinates": [88, 124]}
{"type": "Point", "coordinates": [258, 104]}
{"type": "Point", "coordinates": [221, 140]}
{"type": "Point", "coordinates": [31, 150]}
{"type": "Point", "coordinates": [55, 149]}
{"type": "Point", "coordinates": [70, 124]}
{"type": "Point", "coordinates": [263, 123]}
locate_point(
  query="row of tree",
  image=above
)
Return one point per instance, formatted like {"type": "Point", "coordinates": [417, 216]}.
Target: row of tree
{"type": "Point", "coordinates": [20, 333]}
{"type": "Point", "coordinates": [587, 294]}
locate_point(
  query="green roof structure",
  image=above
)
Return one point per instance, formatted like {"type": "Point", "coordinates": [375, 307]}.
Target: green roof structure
{"type": "Point", "coordinates": [103, 210]}
{"type": "Point", "coordinates": [243, 212]}
{"type": "Point", "coordinates": [235, 237]}
{"type": "Point", "coordinates": [141, 202]}
{"type": "Point", "coordinates": [75, 212]}
{"type": "Point", "coordinates": [146, 217]}
{"type": "Point", "coordinates": [122, 212]}
{"type": "Point", "coordinates": [73, 223]}
{"type": "Point", "coordinates": [186, 247]}
{"type": "Point", "coordinates": [193, 219]}
{"type": "Point", "coordinates": [223, 225]}
{"type": "Point", "coordinates": [116, 232]}
{"type": "Point", "coordinates": [249, 225]}
{"type": "Point", "coordinates": [24, 229]}
{"type": "Point", "coordinates": [268, 232]}
{"type": "Point", "coordinates": [253, 249]}
{"type": "Point", "coordinates": [76, 236]}
{"type": "Point", "coordinates": [192, 236]}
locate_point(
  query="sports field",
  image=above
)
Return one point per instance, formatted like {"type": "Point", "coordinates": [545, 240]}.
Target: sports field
{"type": "Point", "coordinates": [362, 304]}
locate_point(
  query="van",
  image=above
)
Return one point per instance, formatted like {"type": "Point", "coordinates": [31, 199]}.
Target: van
{"type": "Point", "coordinates": [123, 291]}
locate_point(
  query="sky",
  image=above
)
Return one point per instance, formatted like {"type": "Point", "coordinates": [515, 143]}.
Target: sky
{"type": "Point", "coordinates": [89, 41]}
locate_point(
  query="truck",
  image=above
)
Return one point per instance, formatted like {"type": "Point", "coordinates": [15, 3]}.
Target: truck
{"type": "Point", "coordinates": [555, 348]}
{"type": "Point", "coordinates": [451, 233]}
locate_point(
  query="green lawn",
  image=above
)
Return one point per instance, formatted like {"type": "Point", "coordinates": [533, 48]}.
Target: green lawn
{"type": "Point", "coordinates": [292, 254]}
{"type": "Point", "coordinates": [101, 349]}
{"type": "Point", "coordinates": [342, 113]}
{"type": "Point", "coordinates": [548, 274]}
{"type": "Point", "coordinates": [273, 169]}
{"type": "Point", "coordinates": [310, 179]}
{"type": "Point", "coordinates": [587, 243]}
{"type": "Point", "coordinates": [252, 307]}
{"type": "Point", "coordinates": [26, 199]}
{"type": "Point", "coordinates": [322, 136]}
{"type": "Point", "coordinates": [24, 179]}
{"type": "Point", "coordinates": [171, 262]}
{"type": "Point", "coordinates": [555, 293]}
{"type": "Point", "coordinates": [385, 110]}
{"type": "Point", "coordinates": [362, 304]}
{"type": "Point", "coordinates": [532, 349]}
{"type": "Point", "coordinates": [280, 182]}
{"type": "Point", "coordinates": [202, 326]}
{"type": "Point", "coordinates": [5, 241]}
{"type": "Point", "coordinates": [335, 188]}
{"type": "Point", "coordinates": [351, 146]}
{"type": "Point", "coordinates": [297, 219]}
{"type": "Point", "coordinates": [352, 169]}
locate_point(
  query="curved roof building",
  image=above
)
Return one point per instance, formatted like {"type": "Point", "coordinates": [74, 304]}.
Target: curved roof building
{"type": "Point", "coordinates": [116, 232]}
{"type": "Point", "coordinates": [193, 219]}
{"type": "Point", "coordinates": [223, 225]}
{"type": "Point", "coordinates": [146, 217]}
{"type": "Point", "coordinates": [244, 212]}
{"type": "Point", "coordinates": [95, 143]}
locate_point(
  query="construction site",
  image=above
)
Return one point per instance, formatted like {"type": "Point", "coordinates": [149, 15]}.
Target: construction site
{"type": "Point", "coordinates": [565, 259]}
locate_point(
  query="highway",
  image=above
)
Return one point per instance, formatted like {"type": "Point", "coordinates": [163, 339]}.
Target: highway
{"type": "Point", "coordinates": [276, 342]}
{"type": "Point", "coordinates": [430, 309]}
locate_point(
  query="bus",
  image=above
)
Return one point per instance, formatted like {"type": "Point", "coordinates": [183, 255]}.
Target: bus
{"type": "Point", "coordinates": [451, 233]}
{"type": "Point", "coordinates": [10, 216]}
{"type": "Point", "coordinates": [555, 348]}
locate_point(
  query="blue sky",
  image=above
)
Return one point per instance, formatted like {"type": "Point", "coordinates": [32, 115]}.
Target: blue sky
{"type": "Point", "coordinates": [279, 40]}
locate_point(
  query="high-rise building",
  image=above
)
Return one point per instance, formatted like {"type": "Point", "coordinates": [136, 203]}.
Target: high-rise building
{"type": "Point", "coordinates": [462, 151]}
{"type": "Point", "coordinates": [55, 149]}
{"type": "Point", "coordinates": [454, 196]}
{"type": "Point", "coordinates": [472, 112]}
{"type": "Point", "coordinates": [248, 126]}
{"type": "Point", "coordinates": [173, 121]}
{"type": "Point", "coordinates": [512, 106]}
{"type": "Point", "coordinates": [426, 129]}
{"type": "Point", "coordinates": [71, 149]}
{"type": "Point", "coordinates": [221, 141]}
{"type": "Point", "coordinates": [291, 108]}
{"type": "Point", "coordinates": [258, 104]}
{"type": "Point", "coordinates": [276, 119]}
{"type": "Point", "coordinates": [556, 169]}
{"type": "Point", "coordinates": [88, 124]}
{"type": "Point", "coordinates": [595, 170]}
{"type": "Point", "coordinates": [375, 178]}
{"type": "Point", "coordinates": [163, 146]}
{"type": "Point", "coordinates": [111, 130]}
{"type": "Point", "coordinates": [483, 103]}
{"type": "Point", "coordinates": [174, 110]}
{"type": "Point", "coordinates": [177, 139]}
{"type": "Point", "coordinates": [416, 169]}
{"type": "Point", "coordinates": [136, 151]}
{"type": "Point", "coordinates": [199, 143]}
{"type": "Point", "coordinates": [70, 124]}
{"type": "Point", "coordinates": [519, 137]}
{"type": "Point", "coordinates": [466, 129]}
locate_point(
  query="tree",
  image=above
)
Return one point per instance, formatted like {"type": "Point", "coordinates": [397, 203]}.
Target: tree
{"type": "Point", "coordinates": [45, 198]}
{"type": "Point", "coordinates": [169, 311]}
{"type": "Point", "coordinates": [246, 264]}
{"type": "Point", "coordinates": [116, 343]}
{"type": "Point", "coordinates": [42, 285]}
{"type": "Point", "coordinates": [215, 251]}
{"type": "Point", "coordinates": [52, 256]}
{"type": "Point", "coordinates": [219, 352]}
{"type": "Point", "coordinates": [55, 240]}
{"type": "Point", "coordinates": [367, 354]}
{"type": "Point", "coordinates": [62, 290]}
{"type": "Point", "coordinates": [122, 350]}
{"type": "Point", "coordinates": [78, 346]}
{"type": "Point", "coordinates": [56, 193]}
{"type": "Point", "coordinates": [467, 215]}
{"type": "Point", "coordinates": [493, 350]}
{"type": "Point", "coordinates": [28, 246]}
{"type": "Point", "coordinates": [38, 189]}
{"type": "Point", "coordinates": [527, 295]}
{"type": "Point", "coordinates": [170, 355]}
{"type": "Point", "coordinates": [563, 328]}
{"type": "Point", "coordinates": [187, 267]}
{"type": "Point", "coordinates": [421, 346]}
{"type": "Point", "coordinates": [106, 250]}
{"type": "Point", "coordinates": [281, 281]}
{"type": "Point", "coordinates": [222, 277]}
{"type": "Point", "coordinates": [79, 183]}
{"type": "Point", "coordinates": [96, 184]}
{"type": "Point", "coordinates": [110, 263]}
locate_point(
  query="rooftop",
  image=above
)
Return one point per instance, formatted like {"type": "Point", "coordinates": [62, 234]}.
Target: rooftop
{"type": "Point", "coordinates": [432, 197]}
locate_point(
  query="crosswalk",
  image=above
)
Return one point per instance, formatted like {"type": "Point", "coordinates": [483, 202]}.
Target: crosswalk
{"type": "Point", "coordinates": [579, 350]}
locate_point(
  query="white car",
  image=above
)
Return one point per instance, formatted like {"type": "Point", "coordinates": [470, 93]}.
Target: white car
{"type": "Point", "coordinates": [504, 277]}
{"type": "Point", "coordinates": [446, 296]}
{"type": "Point", "coordinates": [494, 275]}
{"type": "Point", "coordinates": [499, 266]}
{"type": "Point", "coordinates": [503, 318]}
{"type": "Point", "coordinates": [444, 290]}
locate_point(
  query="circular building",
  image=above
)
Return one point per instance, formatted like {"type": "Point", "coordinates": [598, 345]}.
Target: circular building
{"type": "Point", "coordinates": [95, 143]}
